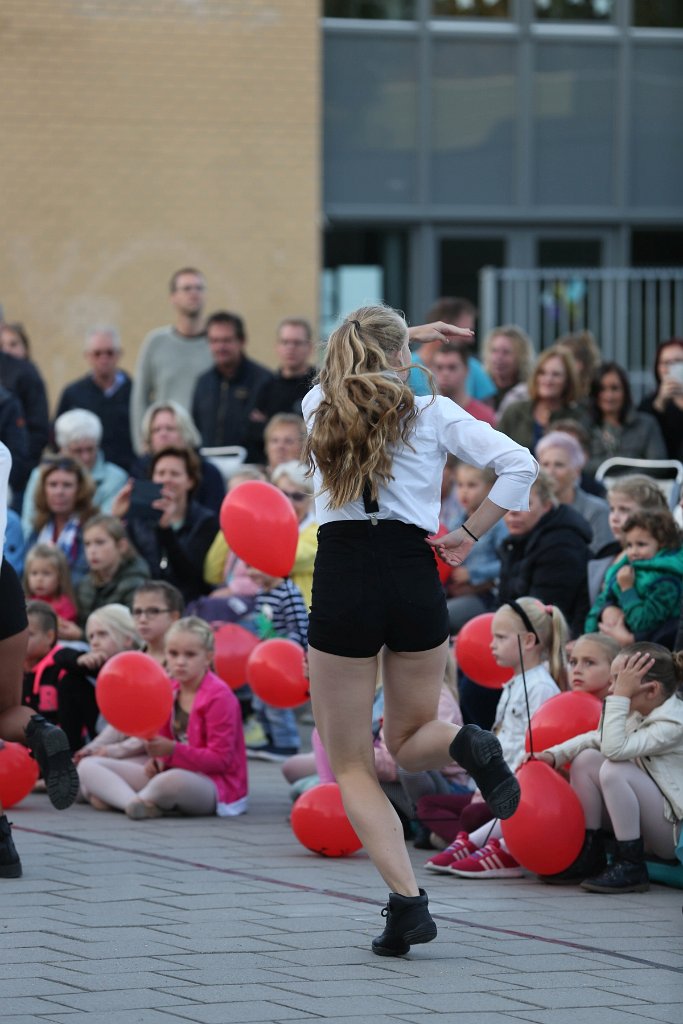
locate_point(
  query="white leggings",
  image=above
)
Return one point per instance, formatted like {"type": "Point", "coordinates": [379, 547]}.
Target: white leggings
{"type": "Point", "coordinates": [621, 797]}
{"type": "Point", "coordinates": [119, 783]}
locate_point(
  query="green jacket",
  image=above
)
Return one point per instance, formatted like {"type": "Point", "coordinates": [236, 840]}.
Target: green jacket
{"type": "Point", "coordinates": [654, 598]}
{"type": "Point", "coordinates": [120, 590]}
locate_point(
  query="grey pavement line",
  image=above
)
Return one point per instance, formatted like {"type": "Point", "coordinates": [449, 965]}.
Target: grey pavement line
{"type": "Point", "coordinates": [476, 926]}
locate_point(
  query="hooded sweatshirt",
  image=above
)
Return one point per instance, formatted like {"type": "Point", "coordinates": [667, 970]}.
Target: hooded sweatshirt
{"type": "Point", "coordinates": [654, 598]}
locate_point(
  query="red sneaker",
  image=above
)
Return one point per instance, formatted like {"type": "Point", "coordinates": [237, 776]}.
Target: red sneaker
{"type": "Point", "coordinates": [490, 861]}
{"type": "Point", "coordinates": [460, 848]}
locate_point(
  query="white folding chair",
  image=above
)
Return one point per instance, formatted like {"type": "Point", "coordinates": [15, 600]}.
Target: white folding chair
{"type": "Point", "coordinates": [227, 458]}
{"type": "Point", "coordinates": [667, 474]}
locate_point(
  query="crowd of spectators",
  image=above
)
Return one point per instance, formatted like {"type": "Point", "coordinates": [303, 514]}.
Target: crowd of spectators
{"type": "Point", "coordinates": [114, 526]}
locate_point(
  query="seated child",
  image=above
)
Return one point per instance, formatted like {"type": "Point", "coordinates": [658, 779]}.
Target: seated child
{"type": "Point", "coordinates": [526, 635]}
{"type": "Point", "coordinates": [627, 774]}
{"type": "Point", "coordinates": [156, 606]}
{"type": "Point", "coordinates": [41, 673]}
{"type": "Point", "coordinates": [197, 765]}
{"type": "Point", "coordinates": [114, 569]}
{"type": "Point", "coordinates": [643, 588]}
{"type": "Point", "coordinates": [47, 578]}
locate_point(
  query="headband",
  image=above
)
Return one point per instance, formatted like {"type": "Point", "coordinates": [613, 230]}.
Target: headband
{"type": "Point", "coordinates": [518, 610]}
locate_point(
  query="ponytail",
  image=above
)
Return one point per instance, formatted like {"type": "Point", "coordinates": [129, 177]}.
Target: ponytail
{"type": "Point", "coordinates": [552, 631]}
{"type": "Point", "coordinates": [366, 407]}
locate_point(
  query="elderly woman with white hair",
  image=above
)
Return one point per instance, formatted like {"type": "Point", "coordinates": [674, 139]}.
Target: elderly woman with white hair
{"type": "Point", "coordinates": [561, 456]}
{"type": "Point", "coordinates": [167, 424]}
{"type": "Point", "coordinates": [78, 435]}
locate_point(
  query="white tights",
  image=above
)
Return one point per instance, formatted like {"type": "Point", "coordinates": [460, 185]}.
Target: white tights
{"type": "Point", "coordinates": [621, 797]}
{"type": "Point", "coordinates": [119, 783]}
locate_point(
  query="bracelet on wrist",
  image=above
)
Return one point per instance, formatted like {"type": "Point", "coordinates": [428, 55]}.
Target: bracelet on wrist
{"type": "Point", "coordinates": [469, 533]}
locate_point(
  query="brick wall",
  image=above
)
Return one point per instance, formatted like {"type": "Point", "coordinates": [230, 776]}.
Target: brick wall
{"type": "Point", "coordinates": [142, 135]}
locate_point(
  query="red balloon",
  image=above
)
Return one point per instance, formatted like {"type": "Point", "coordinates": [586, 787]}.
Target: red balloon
{"type": "Point", "coordinates": [234, 644]}
{"type": "Point", "coordinates": [18, 774]}
{"type": "Point", "coordinates": [275, 672]}
{"type": "Point", "coordinates": [320, 824]}
{"type": "Point", "coordinates": [473, 654]}
{"type": "Point", "coordinates": [444, 569]}
{"type": "Point", "coordinates": [260, 526]}
{"type": "Point", "coordinates": [566, 715]}
{"type": "Point", "coordinates": [546, 832]}
{"type": "Point", "coordinates": [134, 694]}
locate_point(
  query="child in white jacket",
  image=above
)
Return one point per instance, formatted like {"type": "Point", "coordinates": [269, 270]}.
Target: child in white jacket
{"type": "Point", "coordinates": [628, 774]}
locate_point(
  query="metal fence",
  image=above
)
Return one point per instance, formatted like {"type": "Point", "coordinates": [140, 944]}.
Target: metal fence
{"type": "Point", "coordinates": [628, 310]}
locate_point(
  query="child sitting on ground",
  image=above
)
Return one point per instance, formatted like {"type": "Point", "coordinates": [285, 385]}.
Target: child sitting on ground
{"type": "Point", "coordinates": [41, 673]}
{"type": "Point", "coordinates": [156, 606]}
{"type": "Point", "coordinates": [525, 635]}
{"type": "Point", "coordinates": [643, 588]}
{"type": "Point", "coordinates": [629, 770]}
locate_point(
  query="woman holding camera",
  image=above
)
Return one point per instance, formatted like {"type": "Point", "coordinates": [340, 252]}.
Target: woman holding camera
{"type": "Point", "coordinates": [666, 403]}
{"type": "Point", "coordinates": [171, 530]}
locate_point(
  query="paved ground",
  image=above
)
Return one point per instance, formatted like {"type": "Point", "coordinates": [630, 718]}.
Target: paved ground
{"type": "Point", "coordinates": [120, 922]}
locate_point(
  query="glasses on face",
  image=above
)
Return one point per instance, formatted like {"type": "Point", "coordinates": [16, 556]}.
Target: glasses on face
{"type": "Point", "coordinates": [150, 613]}
{"type": "Point", "coordinates": [109, 352]}
{"type": "Point", "coordinates": [190, 288]}
{"type": "Point", "coordinates": [296, 495]}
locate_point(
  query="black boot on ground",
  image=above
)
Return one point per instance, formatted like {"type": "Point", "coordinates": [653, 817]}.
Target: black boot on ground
{"type": "Point", "coordinates": [480, 754]}
{"type": "Point", "coordinates": [628, 872]}
{"type": "Point", "coordinates": [408, 924]}
{"type": "Point", "coordinates": [50, 747]}
{"type": "Point", "coordinates": [590, 861]}
{"type": "Point", "coordinates": [10, 865]}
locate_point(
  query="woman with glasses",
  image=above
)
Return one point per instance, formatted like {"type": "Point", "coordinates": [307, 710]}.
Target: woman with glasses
{"type": "Point", "coordinates": [63, 500]}
{"type": "Point", "coordinates": [291, 479]}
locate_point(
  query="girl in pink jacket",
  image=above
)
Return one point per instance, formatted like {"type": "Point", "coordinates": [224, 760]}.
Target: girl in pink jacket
{"type": "Point", "coordinates": [197, 765]}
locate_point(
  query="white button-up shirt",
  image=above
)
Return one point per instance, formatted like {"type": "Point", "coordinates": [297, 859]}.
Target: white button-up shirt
{"type": "Point", "coordinates": [414, 494]}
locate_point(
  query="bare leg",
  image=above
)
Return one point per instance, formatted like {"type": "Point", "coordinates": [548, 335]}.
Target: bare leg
{"type": "Point", "coordinates": [342, 692]}
{"type": "Point", "coordinates": [412, 684]}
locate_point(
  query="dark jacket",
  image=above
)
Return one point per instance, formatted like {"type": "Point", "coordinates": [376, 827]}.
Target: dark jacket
{"type": "Point", "coordinates": [221, 408]}
{"type": "Point", "coordinates": [518, 421]}
{"type": "Point", "coordinates": [670, 421]}
{"type": "Point", "coordinates": [119, 590]}
{"type": "Point", "coordinates": [113, 412]}
{"type": "Point", "coordinates": [177, 556]}
{"type": "Point", "coordinates": [22, 378]}
{"type": "Point", "coordinates": [285, 394]}
{"type": "Point", "coordinates": [550, 563]}
{"type": "Point", "coordinates": [14, 435]}
{"type": "Point", "coordinates": [638, 437]}
{"type": "Point", "coordinates": [209, 492]}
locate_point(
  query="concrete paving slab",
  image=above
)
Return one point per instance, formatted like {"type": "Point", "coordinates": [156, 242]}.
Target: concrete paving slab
{"type": "Point", "coordinates": [172, 920]}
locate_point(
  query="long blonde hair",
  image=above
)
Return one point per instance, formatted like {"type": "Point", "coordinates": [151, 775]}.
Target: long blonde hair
{"type": "Point", "coordinates": [365, 407]}
{"type": "Point", "coordinates": [552, 632]}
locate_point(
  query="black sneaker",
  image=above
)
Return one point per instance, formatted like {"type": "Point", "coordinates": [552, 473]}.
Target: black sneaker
{"type": "Point", "coordinates": [50, 747]}
{"type": "Point", "coordinates": [10, 865]}
{"type": "Point", "coordinates": [481, 755]}
{"type": "Point", "coordinates": [408, 923]}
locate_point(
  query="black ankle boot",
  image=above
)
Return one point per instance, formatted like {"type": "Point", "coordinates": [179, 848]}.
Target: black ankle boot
{"type": "Point", "coordinates": [480, 754]}
{"type": "Point", "coordinates": [10, 865]}
{"type": "Point", "coordinates": [408, 923]}
{"type": "Point", "coordinates": [590, 861]}
{"type": "Point", "coordinates": [628, 872]}
{"type": "Point", "coordinates": [50, 747]}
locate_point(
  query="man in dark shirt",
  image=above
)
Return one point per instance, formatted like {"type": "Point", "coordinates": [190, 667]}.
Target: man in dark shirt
{"type": "Point", "coordinates": [287, 389]}
{"type": "Point", "coordinates": [106, 392]}
{"type": "Point", "coordinates": [225, 396]}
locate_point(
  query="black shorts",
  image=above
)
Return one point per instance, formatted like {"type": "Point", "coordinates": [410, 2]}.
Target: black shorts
{"type": "Point", "coordinates": [12, 603]}
{"type": "Point", "coordinates": [375, 585]}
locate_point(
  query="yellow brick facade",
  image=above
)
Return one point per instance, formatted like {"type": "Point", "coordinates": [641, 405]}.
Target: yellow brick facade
{"type": "Point", "coordinates": [139, 136]}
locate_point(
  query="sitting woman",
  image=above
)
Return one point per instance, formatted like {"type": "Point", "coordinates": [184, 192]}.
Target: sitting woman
{"type": "Point", "coordinates": [561, 457]}
{"type": "Point", "coordinates": [553, 393]}
{"type": "Point", "coordinates": [63, 500]}
{"type": "Point", "coordinates": [168, 425]}
{"type": "Point", "coordinates": [197, 765]}
{"type": "Point", "coordinates": [78, 434]}
{"type": "Point", "coordinates": [175, 544]}
{"type": "Point", "coordinates": [616, 428]}
{"type": "Point", "coordinates": [666, 402]}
